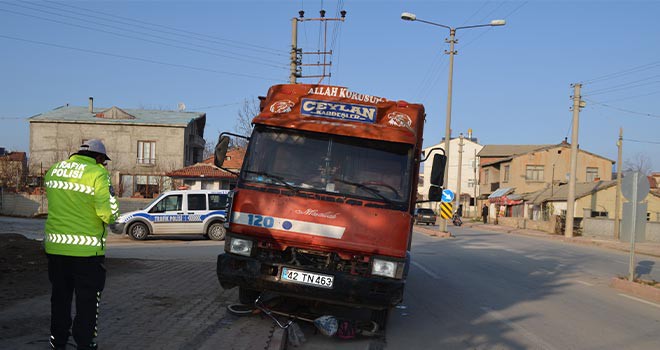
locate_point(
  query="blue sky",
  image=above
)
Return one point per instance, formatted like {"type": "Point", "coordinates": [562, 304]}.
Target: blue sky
{"type": "Point", "coordinates": [512, 84]}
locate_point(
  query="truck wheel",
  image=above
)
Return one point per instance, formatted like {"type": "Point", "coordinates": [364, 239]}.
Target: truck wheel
{"type": "Point", "coordinates": [247, 296]}
{"type": "Point", "coordinates": [138, 231]}
{"type": "Point", "coordinates": [216, 231]}
{"type": "Point", "coordinates": [380, 317]}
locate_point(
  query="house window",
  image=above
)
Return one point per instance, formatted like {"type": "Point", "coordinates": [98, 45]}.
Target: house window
{"type": "Point", "coordinates": [146, 152]}
{"type": "Point", "coordinates": [485, 181]}
{"type": "Point", "coordinates": [147, 186]}
{"type": "Point", "coordinates": [506, 173]}
{"type": "Point", "coordinates": [592, 174]}
{"type": "Point", "coordinates": [534, 173]}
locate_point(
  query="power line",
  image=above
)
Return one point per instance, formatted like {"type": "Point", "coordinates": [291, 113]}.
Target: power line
{"type": "Point", "coordinates": [624, 86]}
{"type": "Point", "coordinates": [139, 59]}
{"type": "Point", "coordinates": [640, 141]}
{"type": "Point", "coordinates": [213, 38]}
{"type": "Point", "coordinates": [238, 58]}
{"type": "Point", "coordinates": [632, 70]}
{"type": "Point", "coordinates": [623, 110]}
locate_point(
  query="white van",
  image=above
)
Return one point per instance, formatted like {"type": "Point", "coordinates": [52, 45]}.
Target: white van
{"type": "Point", "coordinates": [178, 212]}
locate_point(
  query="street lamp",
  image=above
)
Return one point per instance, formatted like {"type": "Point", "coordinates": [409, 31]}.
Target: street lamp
{"type": "Point", "coordinates": [407, 16]}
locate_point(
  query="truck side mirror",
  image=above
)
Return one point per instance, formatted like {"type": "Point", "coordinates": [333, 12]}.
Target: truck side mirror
{"type": "Point", "coordinates": [437, 170]}
{"type": "Point", "coordinates": [221, 150]}
{"type": "Point", "coordinates": [435, 193]}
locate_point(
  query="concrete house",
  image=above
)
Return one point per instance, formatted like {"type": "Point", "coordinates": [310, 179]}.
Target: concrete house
{"type": "Point", "coordinates": [143, 144]}
{"type": "Point", "coordinates": [13, 169]}
{"type": "Point", "coordinates": [468, 159]}
{"type": "Point", "coordinates": [207, 176]}
{"type": "Point", "coordinates": [531, 168]}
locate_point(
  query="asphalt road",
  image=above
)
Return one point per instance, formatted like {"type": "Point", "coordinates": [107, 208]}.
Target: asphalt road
{"type": "Point", "coordinates": [482, 290]}
{"type": "Point", "coordinates": [485, 290]}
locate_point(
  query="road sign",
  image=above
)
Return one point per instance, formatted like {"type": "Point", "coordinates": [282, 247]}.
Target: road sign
{"type": "Point", "coordinates": [447, 196]}
{"type": "Point", "coordinates": [639, 219]}
{"type": "Point", "coordinates": [446, 210]}
{"type": "Point", "coordinates": [627, 184]}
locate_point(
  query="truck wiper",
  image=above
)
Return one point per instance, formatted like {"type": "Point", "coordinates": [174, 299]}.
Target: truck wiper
{"type": "Point", "coordinates": [279, 179]}
{"type": "Point", "coordinates": [367, 188]}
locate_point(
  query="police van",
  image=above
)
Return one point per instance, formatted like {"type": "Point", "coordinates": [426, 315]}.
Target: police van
{"type": "Point", "coordinates": [178, 212]}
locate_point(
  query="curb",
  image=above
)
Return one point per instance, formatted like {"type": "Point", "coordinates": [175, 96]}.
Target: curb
{"type": "Point", "coordinates": [641, 290]}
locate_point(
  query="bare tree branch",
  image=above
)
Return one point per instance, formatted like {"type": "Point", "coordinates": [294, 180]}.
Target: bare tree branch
{"type": "Point", "coordinates": [243, 125]}
{"type": "Point", "coordinates": [639, 162]}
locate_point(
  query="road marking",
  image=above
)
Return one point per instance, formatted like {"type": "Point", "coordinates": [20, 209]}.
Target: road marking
{"type": "Point", "coordinates": [640, 300]}
{"type": "Point", "coordinates": [516, 261]}
{"type": "Point", "coordinates": [427, 271]}
{"type": "Point", "coordinates": [538, 342]}
{"type": "Point", "coordinates": [585, 283]}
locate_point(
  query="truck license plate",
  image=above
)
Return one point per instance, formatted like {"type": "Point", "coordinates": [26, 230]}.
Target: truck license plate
{"type": "Point", "coordinates": [309, 278]}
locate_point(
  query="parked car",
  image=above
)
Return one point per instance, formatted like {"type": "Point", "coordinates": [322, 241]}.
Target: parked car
{"type": "Point", "coordinates": [425, 216]}
{"type": "Point", "coordinates": [178, 212]}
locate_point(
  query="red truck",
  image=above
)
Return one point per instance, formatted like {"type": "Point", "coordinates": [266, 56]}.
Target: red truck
{"type": "Point", "coordinates": [323, 207]}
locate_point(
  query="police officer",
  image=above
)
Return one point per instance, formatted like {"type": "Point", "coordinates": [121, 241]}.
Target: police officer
{"type": "Point", "coordinates": [81, 203]}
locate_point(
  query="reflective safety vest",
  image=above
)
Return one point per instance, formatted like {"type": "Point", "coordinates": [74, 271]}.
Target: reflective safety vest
{"type": "Point", "coordinates": [81, 202]}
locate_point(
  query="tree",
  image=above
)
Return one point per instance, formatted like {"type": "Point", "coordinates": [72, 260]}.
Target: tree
{"type": "Point", "coordinates": [639, 162]}
{"type": "Point", "coordinates": [243, 125]}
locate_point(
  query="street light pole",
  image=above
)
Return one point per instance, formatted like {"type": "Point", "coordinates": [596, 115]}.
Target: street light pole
{"type": "Point", "coordinates": [407, 16]}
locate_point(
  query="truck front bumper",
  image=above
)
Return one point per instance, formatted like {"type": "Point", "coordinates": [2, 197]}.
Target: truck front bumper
{"type": "Point", "coordinates": [347, 289]}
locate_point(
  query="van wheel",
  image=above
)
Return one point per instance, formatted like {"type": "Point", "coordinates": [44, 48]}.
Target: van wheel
{"type": "Point", "coordinates": [138, 231]}
{"type": "Point", "coordinates": [247, 296]}
{"type": "Point", "coordinates": [216, 231]}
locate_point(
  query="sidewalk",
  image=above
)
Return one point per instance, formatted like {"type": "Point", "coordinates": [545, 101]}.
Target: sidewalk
{"type": "Point", "coordinates": [645, 248]}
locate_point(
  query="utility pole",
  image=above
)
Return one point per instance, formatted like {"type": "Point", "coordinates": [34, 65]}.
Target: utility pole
{"type": "Point", "coordinates": [295, 60]}
{"type": "Point", "coordinates": [570, 201]}
{"type": "Point", "coordinates": [474, 170]}
{"type": "Point", "coordinates": [451, 53]}
{"type": "Point", "coordinates": [617, 203]}
{"type": "Point", "coordinates": [297, 54]}
{"type": "Point", "coordinates": [460, 167]}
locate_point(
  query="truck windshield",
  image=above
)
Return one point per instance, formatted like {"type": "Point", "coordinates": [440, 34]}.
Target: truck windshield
{"type": "Point", "coordinates": [340, 165]}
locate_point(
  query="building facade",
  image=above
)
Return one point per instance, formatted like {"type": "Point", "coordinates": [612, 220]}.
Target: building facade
{"type": "Point", "coordinates": [467, 152]}
{"type": "Point", "coordinates": [531, 168]}
{"type": "Point", "coordinates": [143, 144]}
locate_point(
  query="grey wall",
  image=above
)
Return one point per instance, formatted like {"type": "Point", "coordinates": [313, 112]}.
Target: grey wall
{"type": "Point", "coordinates": [26, 205]}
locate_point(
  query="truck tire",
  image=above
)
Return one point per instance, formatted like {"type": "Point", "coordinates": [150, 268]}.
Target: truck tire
{"type": "Point", "coordinates": [138, 231]}
{"type": "Point", "coordinates": [216, 231]}
{"type": "Point", "coordinates": [247, 296]}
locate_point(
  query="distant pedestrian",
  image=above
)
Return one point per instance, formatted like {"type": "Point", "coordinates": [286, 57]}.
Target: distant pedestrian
{"type": "Point", "coordinates": [459, 211]}
{"type": "Point", "coordinates": [484, 213]}
{"type": "Point", "coordinates": [81, 203]}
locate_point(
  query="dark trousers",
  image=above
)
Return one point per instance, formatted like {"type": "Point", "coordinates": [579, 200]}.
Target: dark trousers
{"type": "Point", "coordinates": [84, 277]}
{"type": "Point", "coordinates": [485, 219]}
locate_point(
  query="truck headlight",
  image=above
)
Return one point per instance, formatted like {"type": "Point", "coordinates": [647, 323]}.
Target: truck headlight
{"type": "Point", "coordinates": [384, 268]}
{"type": "Point", "coordinates": [240, 246]}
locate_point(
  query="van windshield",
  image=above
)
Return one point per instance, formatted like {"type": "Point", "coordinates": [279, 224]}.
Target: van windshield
{"type": "Point", "coordinates": [371, 169]}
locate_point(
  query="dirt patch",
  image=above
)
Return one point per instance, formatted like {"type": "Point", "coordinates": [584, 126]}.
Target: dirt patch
{"type": "Point", "coordinates": [24, 268]}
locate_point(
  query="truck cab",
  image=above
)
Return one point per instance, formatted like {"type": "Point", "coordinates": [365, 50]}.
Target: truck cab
{"type": "Point", "coordinates": [323, 207]}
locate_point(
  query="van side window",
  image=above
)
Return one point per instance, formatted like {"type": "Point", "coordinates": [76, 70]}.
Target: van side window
{"type": "Point", "coordinates": [169, 203]}
{"type": "Point", "coordinates": [197, 201]}
{"type": "Point", "coordinates": [217, 201]}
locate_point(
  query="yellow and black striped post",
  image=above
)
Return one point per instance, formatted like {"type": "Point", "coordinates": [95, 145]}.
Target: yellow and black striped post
{"type": "Point", "coordinates": [446, 210]}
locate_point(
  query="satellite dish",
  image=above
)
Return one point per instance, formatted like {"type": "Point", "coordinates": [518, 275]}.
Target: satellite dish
{"type": "Point", "coordinates": [181, 106]}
